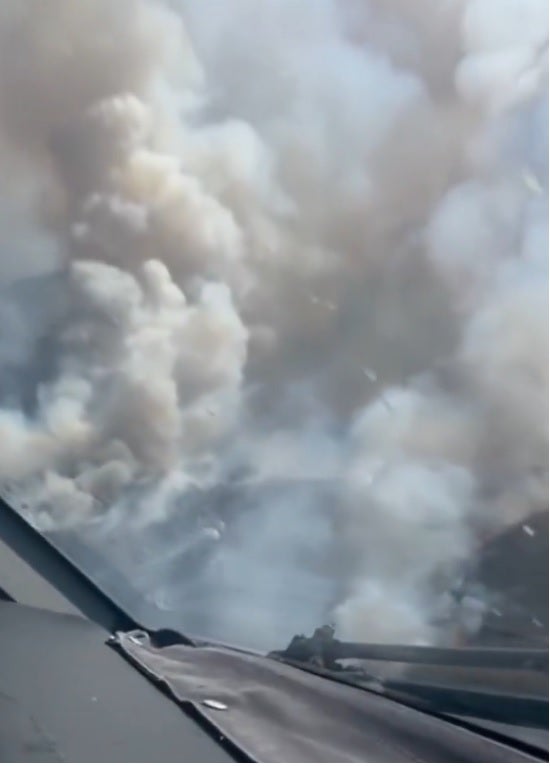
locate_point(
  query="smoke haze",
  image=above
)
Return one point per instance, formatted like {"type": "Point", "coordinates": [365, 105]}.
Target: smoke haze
{"type": "Point", "coordinates": [262, 245]}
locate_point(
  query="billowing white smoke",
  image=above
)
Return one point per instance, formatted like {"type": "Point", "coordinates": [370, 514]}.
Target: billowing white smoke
{"type": "Point", "coordinates": [300, 243]}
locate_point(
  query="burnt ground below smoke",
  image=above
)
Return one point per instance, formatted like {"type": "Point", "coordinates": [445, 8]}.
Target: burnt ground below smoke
{"type": "Point", "coordinates": [514, 567]}
{"type": "Point", "coordinates": [186, 568]}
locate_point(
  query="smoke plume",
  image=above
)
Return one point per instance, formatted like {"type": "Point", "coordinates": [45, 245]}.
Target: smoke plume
{"type": "Point", "coordinates": [296, 252]}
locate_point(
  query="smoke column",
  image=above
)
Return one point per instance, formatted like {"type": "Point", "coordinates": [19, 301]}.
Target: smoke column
{"type": "Point", "coordinates": [261, 240]}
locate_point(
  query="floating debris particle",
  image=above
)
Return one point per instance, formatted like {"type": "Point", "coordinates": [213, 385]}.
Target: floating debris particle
{"type": "Point", "coordinates": [211, 533]}
{"type": "Point", "coordinates": [374, 473]}
{"type": "Point", "coordinates": [532, 182]}
{"type": "Point", "coordinates": [528, 530]}
{"type": "Point", "coordinates": [387, 404]}
{"type": "Point", "coordinates": [330, 305]}
{"type": "Point", "coordinates": [214, 704]}
{"type": "Point", "coordinates": [371, 375]}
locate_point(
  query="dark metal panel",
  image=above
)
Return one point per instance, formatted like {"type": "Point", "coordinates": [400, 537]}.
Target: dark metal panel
{"type": "Point", "coordinates": [515, 710]}
{"type": "Point", "coordinates": [62, 574]}
{"type": "Point", "coordinates": [19, 582]}
{"type": "Point", "coordinates": [86, 701]}
{"type": "Point", "coordinates": [21, 737]}
{"type": "Point", "coordinates": [324, 650]}
{"type": "Point", "coordinates": [506, 659]}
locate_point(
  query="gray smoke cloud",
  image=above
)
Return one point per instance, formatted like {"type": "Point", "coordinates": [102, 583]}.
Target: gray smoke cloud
{"type": "Point", "coordinates": [254, 240]}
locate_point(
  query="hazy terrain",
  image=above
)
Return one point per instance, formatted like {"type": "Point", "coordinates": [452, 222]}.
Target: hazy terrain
{"type": "Point", "coordinates": [274, 298]}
